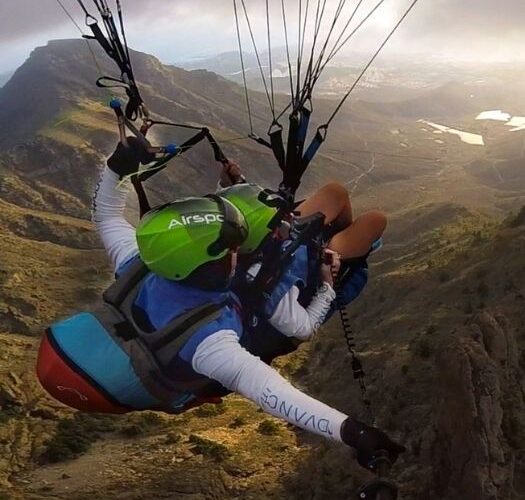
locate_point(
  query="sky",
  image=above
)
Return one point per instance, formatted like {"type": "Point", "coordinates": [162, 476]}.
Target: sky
{"type": "Point", "coordinates": [175, 30]}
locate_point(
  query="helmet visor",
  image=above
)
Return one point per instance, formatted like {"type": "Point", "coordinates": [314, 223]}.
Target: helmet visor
{"type": "Point", "coordinates": [233, 229]}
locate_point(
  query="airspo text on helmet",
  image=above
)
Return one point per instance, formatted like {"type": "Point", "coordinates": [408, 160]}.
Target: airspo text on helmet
{"type": "Point", "coordinates": [189, 220]}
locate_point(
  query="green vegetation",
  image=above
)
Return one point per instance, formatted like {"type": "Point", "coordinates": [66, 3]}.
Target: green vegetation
{"type": "Point", "coordinates": [74, 436]}
{"type": "Point", "coordinates": [209, 448]}
{"type": "Point", "coordinates": [75, 127]}
{"type": "Point", "coordinates": [296, 364]}
{"type": "Point", "coordinates": [424, 347]}
{"type": "Point", "coordinates": [268, 427]}
{"type": "Point", "coordinates": [210, 410]}
{"type": "Point", "coordinates": [456, 241]}
{"type": "Point", "coordinates": [40, 277]}
{"type": "Point", "coordinates": [237, 422]}
{"type": "Point", "coordinates": [173, 438]}
{"type": "Point", "coordinates": [517, 220]}
{"type": "Point", "coordinates": [142, 423]}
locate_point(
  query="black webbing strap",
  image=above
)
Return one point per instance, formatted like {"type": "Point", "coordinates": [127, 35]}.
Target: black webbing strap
{"type": "Point", "coordinates": [295, 163]}
{"type": "Point", "coordinates": [134, 102]}
{"type": "Point", "coordinates": [116, 294]}
{"type": "Point", "coordinates": [260, 140]}
{"type": "Point", "coordinates": [292, 152]}
{"type": "Point", "coordinates": [276, 258]}
{"type": "Point", "coordinates": [144, 204]}
{"type": "Point", "coordinates": [86, 12]}
{"type": "Point", "coordinates": [101, 39]}
{"type": "Point", "coordinates": [165, 343]}
{"type": "Point", "coordinates": [217, 151]}
{"type": "Point", "coordinates": [119, 53]}
{"type": "Point", "coordinates": [296, 167]}
{"type": "Point", "coordinates": [175, 334]}
{"type": "Point", "coordinates": [277, 145]}
{"type": "Point", "coordinates": [292, 162]}
{"type": "Point", "coordinates": [160, 165]}
{"type": "Point", "coordinates": [303, 129]}
{"type": "Point", "coordinates": [203, 134]}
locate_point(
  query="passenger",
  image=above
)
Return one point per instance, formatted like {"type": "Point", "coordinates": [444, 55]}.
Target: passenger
{"type": "Point", "coordinates": [304, 296]}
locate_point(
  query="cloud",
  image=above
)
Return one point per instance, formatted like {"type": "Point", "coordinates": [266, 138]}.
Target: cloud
{"type": "Point", "coordinates": [475, 16]}
{"type": "Point", "coordinates": [171, 28]}
{"type": "Point", "coordinates": [20, 19]}
{"type": "Point", "coordinates": [475, 28]}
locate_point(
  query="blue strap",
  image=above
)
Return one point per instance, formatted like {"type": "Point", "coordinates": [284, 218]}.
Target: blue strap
{"type": "Point", "coordinates": [316, 143]}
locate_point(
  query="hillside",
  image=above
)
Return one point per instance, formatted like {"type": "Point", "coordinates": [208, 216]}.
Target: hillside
{"type": "Point", "coordinates": [61, 129]}
{"type": "Point", "coordinates": [426, 372]}
{"type": "Point", "coordinates": [456, 99]}
{"type": "Point", "coordinates": [441, 328]}
{"type": "Point", "coordinates": [440, 325]}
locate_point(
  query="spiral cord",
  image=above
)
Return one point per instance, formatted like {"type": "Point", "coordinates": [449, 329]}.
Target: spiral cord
{"type": "Point", "coordinates": [356, 363]}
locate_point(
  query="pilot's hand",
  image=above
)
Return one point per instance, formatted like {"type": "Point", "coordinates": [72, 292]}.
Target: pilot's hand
{"type": "Point", "coordinates": [231, 174]}
{"type": "Point", "coordinates": [370, 442]}
{"type": "Point", "coordinates": [330, 265]}
{"type": "Point", "coordinates": [126, 160]}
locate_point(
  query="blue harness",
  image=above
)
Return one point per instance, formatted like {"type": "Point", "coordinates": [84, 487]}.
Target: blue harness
{"type": "Point", "coordinates": [136, 350]}
{"type": "Point", "coordinates": [260, 337]}
{"type": "Point", "coordinates": [162, 301]}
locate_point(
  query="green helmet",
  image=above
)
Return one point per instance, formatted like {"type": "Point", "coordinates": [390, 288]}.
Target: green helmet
{"type": "Point", "coordinates": [249, 199]}
{"type": "Point", "coordinates": [177, 238]}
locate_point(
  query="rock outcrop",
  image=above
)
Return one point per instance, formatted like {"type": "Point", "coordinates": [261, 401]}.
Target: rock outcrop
{"type": "Point", "coordinates": [479, 422]}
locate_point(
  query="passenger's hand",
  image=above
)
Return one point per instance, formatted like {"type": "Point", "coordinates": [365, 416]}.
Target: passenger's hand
{"type": "Point", "coordinates": [126, 159]}
{"type": "Point", "coordinates": [369, 442]}
{"type": "Point", "coordinates": [330, 265]}
{"type": "Point", "coordinates": [231, 174]}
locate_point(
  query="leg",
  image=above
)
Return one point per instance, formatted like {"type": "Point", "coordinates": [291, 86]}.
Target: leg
{"type": "Point", "coordinates": [356, 240]}
{"type": "Point", "coordinates": [333, 201]}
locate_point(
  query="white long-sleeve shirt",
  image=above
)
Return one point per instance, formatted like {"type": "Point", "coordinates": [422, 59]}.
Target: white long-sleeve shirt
{"type": "Point", "coordinates": [220, 356]}
{"type": "Point", "coordinates": [293, 320]}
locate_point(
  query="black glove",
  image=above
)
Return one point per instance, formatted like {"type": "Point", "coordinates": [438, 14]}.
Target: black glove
{"type": "Point", "coordinates": [126, 159]}
{"type": "Point", "coordinates": [368, 441]}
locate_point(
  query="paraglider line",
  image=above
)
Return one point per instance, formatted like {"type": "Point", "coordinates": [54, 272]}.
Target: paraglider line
{"type": "Point", "coordinates": [248, 106]}
{"type": "Point", "coordinates": [347, 39]}
{"type": "Point", "coordinates": [258, 58]}
{"type": "Point", "coordinates": [374, 57]}
{"type": "Point", "coordinates": [270, 62]}
{"type": "Point", "coordinates": [288, 51]}
{"type": "Point", "coordinates": [309, 87]}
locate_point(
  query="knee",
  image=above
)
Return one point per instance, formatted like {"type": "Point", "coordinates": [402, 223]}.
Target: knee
{"type": "Point", "coordinates": [378, 220]}
{"type": "Point", "coordinates": [336, 191]}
